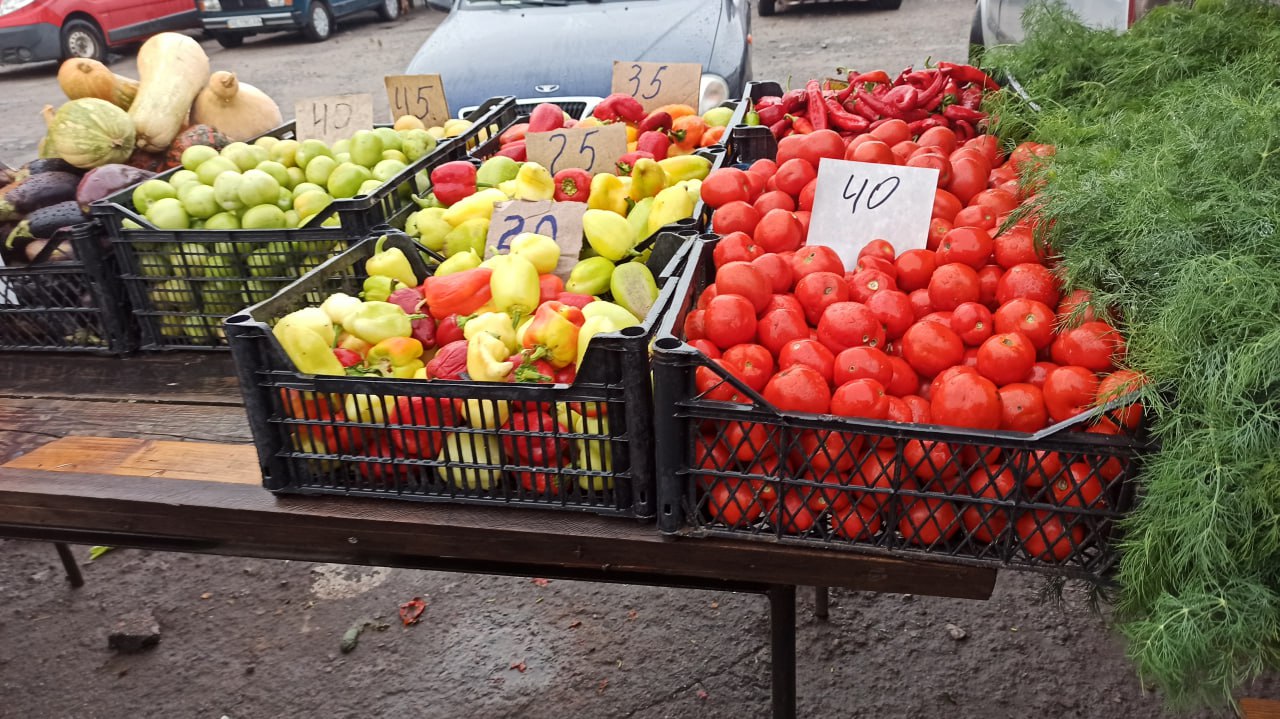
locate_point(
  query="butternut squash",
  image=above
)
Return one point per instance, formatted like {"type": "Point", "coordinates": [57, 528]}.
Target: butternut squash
{"type": "Point", "coordinates": [236, 109]}
{"type": "Point", "coordinates": [172, 68]}
{"type": "Point", "coordinates": [83, 77]}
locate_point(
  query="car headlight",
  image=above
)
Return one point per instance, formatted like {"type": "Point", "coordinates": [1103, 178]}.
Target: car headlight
{"type": "Point", "coordinates": [211, 5]}
{"type": "Point", "coordinates": [712, 91]}
{"type": "Point", "coordinates": [8, 6]}
{"type": "Point", "coordinates": [279, 3]}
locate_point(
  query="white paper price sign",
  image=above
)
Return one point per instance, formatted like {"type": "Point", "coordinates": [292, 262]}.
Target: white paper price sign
{"type": "Point", "coordinates": [857, 202]}
{"type": "Point", "coordinates": [561, 221]}
{"type": "Point", "coordinates": [333, 118]}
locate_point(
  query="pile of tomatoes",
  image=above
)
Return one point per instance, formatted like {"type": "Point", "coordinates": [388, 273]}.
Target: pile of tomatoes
{"type": "Point", "coordinates": [973, 331]}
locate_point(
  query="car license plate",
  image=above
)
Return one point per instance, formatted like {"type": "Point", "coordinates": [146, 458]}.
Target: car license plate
{"type": "Point", "coordinates": [237, 23]}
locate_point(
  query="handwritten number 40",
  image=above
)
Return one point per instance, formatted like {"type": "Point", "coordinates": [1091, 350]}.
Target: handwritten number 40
{"type": "Point", "coordinates": [546, 225]}
{"type": "Point", "coordinates": [655, 82]}
{"type": "Point", "coordinates": [875, 198]}
{"type": "Point", "coordinates": [341, 115]}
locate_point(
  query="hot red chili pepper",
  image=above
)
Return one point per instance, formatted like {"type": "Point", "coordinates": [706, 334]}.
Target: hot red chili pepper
{"type": "Point", "coordinates": [964, 130]}
{"type": "Point", "coordinates": [875, 76]}
{"type": "Point", "coordinates": [655, 121]}
{"type": "Point", "coordinates": [801, 124]}
{"type": "Point", "coordinates": [817, 109]}
{"type": "Point", "coordinates": [627, 162]}
{"type": "Point", "coordinates": [903, 75]}
{"type": "Point", "coordinates": [875, 104]}
{"type": "Point", "coordinates": [654, 142]}
{"type": "Point", "coordinates": [971, 97]}
{"type": "Point", "coordinates": [453, 181]}
{"type": "Point", "coordinates": [914, 114]}
{"type": "Point", "coordinates": [919, 126]}
{"type": "Point", "coordinates": [770, 113]}
{"type": "Point", "coordinates": [793, 100]}
{"type": "Point", "coordinates": [412, 610]}
{"type": "Point", "coordinates": [881, 90]}
{"type": "Point", "coordinates": [933, 92]}
{"type": "Point", "coordinates": [902, 98]}
{"type": "Point", "coordinates": [848, 89]}
{"type": "Point", "coordinates": [863, 109]}
{"type": "Point", "coordinates": [780, 128]}
{"type": "Point", "coordinates": [572, 185]}
{"type": "Point", "coordinates": [959, 112]}
{"type": "Point", "coordinates": [968, 73]}
{"type": "Point", "coordinates": [844, 120]}
{"type": "Point", "coordinates": [920, 79]}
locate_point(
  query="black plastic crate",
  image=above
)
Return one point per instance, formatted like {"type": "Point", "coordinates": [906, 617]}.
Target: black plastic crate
{"type": "Point", "coordinates": [66, 305]}
{"type": "Point", "coordinates": [751, 471]}
{"type": "Point", "coordinates": [406, 439]}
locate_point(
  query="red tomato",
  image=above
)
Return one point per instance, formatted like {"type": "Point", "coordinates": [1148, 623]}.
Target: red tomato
{"type": "Point", "coordinates": [1030, 317]}
{"type": "Point", "coordinates": [988, 145]}
{"type": "Point", "coordinates": [805, 200]}
{"type": "Point", "coordinates": [1022, 408]}
{"type": "Point", "coordinates": [824, 450]}
{"type": "Point", "coordinates": [742, 278]}
{"type": "Point", "coordinates": [968, 177]}
{"type": "Point", "coordinates": [867, 262]}
{"type": "Point", "coordinates": [779, 326]}
{"type": "Point", "coordinates": [776, 270]}
{"type": "Point", "coordinates": [945, 205]}
{"type": "Point", "coordinates": [732, 502]}
{"type": "Point", "coordinates": [777, 231]}
{"type": "Point", "coordinates": [865, 283]}
{"type": "Point", "coordinates": [706, 347]}
{"type": "Point", "coordinates": [1119, 384]}
{"type": "Point", "coordinates": [765, 168]}
{"type": "Point", "coordinates": [1006, 358]}
{"type": "Point", "coordinates": [712, 386]}
{"type": "Point", "coordinates": [1030, 280]}
{"type": "Point", "coordinates": [819, 290]}
{"type": "Point", "coordinates": [776, 200]}
{"type": "Point", "coordinates": [735, 217]}
{"type": "Point", "coordinates": [899, 411]}
{"type": "Point", "coordinates": [1094, 345]}
{"type": "Point", "coordinates": [921, 305]}
{"type": "Point", "coordinates": [804, 218]}
{"type": "Point", "coordinates": [725, 185]}
{"type": "Point", "coordinates": [975, 216]}
{"type": "Point", "coordinates": [1076, 309]}
{"type": "Point", "coordinates": [914, 268]}
{"type": "Point", "coordinates": [930, 347]}
{"type": "Point", "coordinates": [793, 514]}
{"type": "Point", "coordinates": [785, 302]}
{"type": "Point", "coordinates": [849, 324]}
{"type": "Point", "coordinates": [708, 293]}
{"type": "Point", "coordinates": [1043, 468]}
{"type": "Point", "coordinates": [1080, 487]}
{"type": "Point", "coordinates": [1044, 536]}
{"type": "Point", "coordinates": [794, 174]}
{"type": "Point", "coordinates": [973, 322]}
{"type": "Point", "coordinates": [799, 388]}
{"type": "Point", "coordinates": [931, 460]}
{"type": "Point", "coordinates": [863, 363]}
{"type": "Point", "coordinates": [757, 181]}
{"type": "Point", "coordinates": [1069, 391]}
{"type": "Point", "coordinates": [857, 521]}
{"type": "Point", "coordinates": [754, 364]}
{"type": "Point", "coordinates": [919, 408]}
{"type": "Point", "coordinates": [714, 457]}
{"type": "Point", "coordinates": [891, 132]}
{"type": "Point", "coordinates": [810, 353]}
{"type": "Point", "coordinates": [930, 161]}
{"type": "Point", "coordinates": [904, 380]}
{"type": "Point", "coordinates": [985, 521]}
{"type": "Point", "coordinates": [789, 148]}
{"type": "Point", "coordinates": [735, 247]}
{"type": "Point", "coordinates": [822, 143]}
{"type": "Point", "coordinates": [928, 521]}
{"type": "Point", "coordinates": [815, 258]}
{"type": "Point", "coordinates": [988, 280]}
{"type": "Point", "coordinates": [952, 285]}
{"type": "Point", "coordinates": [938, 229]}
{"type": "Point", "coordinates": [747, 440]}
{"type": "Point", "coordinates": [1028, 153]}
{"type": "Point", "coordinates": [941, 137]}
{"type": "Point", "coordinates": [967, 245]}
{"type": "Point", "coordinates": [695, 326]}
{"type": "Point", "coordinates": [860, 398]}
{"type": "Point", "coordinates": [872, 151]}
{"type": "Point", "coordinates": [1039, 371]}
{"type": "Point", "coordinates": [822, 499]}
{"type": "Point", "coordinates": [903, 151]}
{"type": "Point", "coordinates": [998, 201]}
{"type": "Point", "coordinates": [878, 248]}
{"type": "Point", "coordinates": [966, 400]}
{"type": "Point", "coordinates": [1015, 247]}
{"type": "Point", "coordinates": [894, 310]}
{"type": "Point", "coordinates": [942, 318]}
{"type": "Point", "coordinates": [730, 320]}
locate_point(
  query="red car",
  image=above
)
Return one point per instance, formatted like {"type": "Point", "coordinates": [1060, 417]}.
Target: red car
{"type": "Point", "coordinates": [37, 30]}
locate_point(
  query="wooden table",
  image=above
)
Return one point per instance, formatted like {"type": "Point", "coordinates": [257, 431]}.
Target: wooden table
{"type": "Point", "coordinates": [182, 477]}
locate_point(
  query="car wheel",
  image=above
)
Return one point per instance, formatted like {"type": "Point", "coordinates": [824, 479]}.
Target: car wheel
{"type": "Point", "coordinates": [389, 9]}
{"type": "Point", "coordinates": [977, 47]}
{"type": "Point", "coordinates": [319, 23]}
{"type": "Point", "coordinates": [886, 4]}
{"type": "Point", "coordinates": [83, 38]}
{"type": "Point", "coordinates": [766, 8]}
{"type": "Point", "coordinates": [229, 40]}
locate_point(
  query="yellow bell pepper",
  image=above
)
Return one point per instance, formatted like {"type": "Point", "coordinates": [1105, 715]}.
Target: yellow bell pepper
{"type": "Point", "coordinates": [478, 205]}
{"type": "Point", "coordinates": [338, 305]}
{"type": "Point", "coordinates": [390, 262]}
{"type": "Point", "coordinates": [314, 319]}
{"type": "Point", "coordinates": [620, 316]}
{"type": "Point", "coordinates": [508, 188]}
{"type": "Point", "coordinates": [487, 359]}
{"type": "Point", "coordinates": [515, 286]}
{"type": "Point", "coordinates": [600, 324]}
{"type": "Point", "coordinates": [638, 218]}
{"type": "Point", "coordinates": [307, 349]}
{"type": "Point", "coordinates": [693, 187]}
{"type": "Point", "coordinates": [374, 322]}
{"type": "Point", "coordinates": [673, 203]}
{"type": "Point", "coordinates": [463, 449]}
{"type": "Point", "coordinates": [459, 262]}
{"type": "Point", "coordinates": [396, 357]}
{"type": "Point", "coordinates": [541, 250]}
{"type": "Point", "coordinates": [485, 413]}
{"type": "Point", "coordinates": [593, 454]}
{"type": "Point", "coordinates": [590, 276]}
{"type": "Point", "coordinates": [497, 324]}
{"type": "Point", "coordinates": [607, 193]}
{"type": "Point", "coordinates": [633, 133]}
{"type": "Point", "coordinates": [554, 333]}
{"type": "Point", "coordinates": [685, 167]}
{"type": "Point", "coordinates": [367, 408]}
{"type": "Point", "coordinates": [608, 233]}
{"type": "Point", "coordinates": [647, 179]}
{"type": "Point", "coordinates": [468, 235]}
{"type": "Point", "coordinates": [534, 182]}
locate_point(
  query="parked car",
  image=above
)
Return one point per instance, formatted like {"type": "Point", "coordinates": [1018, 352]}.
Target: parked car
{"type": "Point", "coordinates": [39, 30]}
{"type": "Point", "coordinates": [231, 21]}
{"type": "Point", "coordinates": [562, 50]}
{"type": "Point", "coordinates": [772, 7]}
{"type": "Point", "coordinates": [999, 22]}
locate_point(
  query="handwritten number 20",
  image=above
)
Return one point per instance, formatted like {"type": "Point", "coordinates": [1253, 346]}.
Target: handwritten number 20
{"type": "Point", "coordinates": [655, 82]}
{"type": "Point", "coordinates": [515, 225]}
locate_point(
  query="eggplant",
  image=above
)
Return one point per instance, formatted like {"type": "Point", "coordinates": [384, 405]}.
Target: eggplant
{"type": "Point", "coordinates": [47, 188]}
{"type": "Point", "coordinates": [105, 181]}
{"type": "Point", "coordinates": [52, 164]}
{"type": "Point", "coordinates": [48, 220]}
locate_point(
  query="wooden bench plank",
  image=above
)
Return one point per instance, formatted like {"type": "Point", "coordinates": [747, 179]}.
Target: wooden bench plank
{"type": "Point", "coordinates": [1260, 708]}
{"type": "Point", "coordinates": [237, 463]}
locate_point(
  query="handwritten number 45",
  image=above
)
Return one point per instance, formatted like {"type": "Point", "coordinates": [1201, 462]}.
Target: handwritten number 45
{"type": "Point", "coordinates": [655, 82]}
{"type": "Point", "coordinates": [875, 198]}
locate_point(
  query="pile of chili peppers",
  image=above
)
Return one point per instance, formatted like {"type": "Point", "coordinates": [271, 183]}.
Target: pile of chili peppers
{"type": "Point", "coordinates": [947, 95]}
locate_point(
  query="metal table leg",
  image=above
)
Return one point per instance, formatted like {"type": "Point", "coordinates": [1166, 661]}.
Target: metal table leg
{"type": "Point", "coordinates": [782, 641]}
{"type": "Point", "coordinates": [820, 602]}
{"type": "Point", "coordinates": [69, 565]}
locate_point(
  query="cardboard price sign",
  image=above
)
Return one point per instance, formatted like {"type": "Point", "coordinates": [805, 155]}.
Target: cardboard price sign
{"type": "Point", "coordinates": [857, 202]}
{"type": "Point", "coordinates": [333, 118]}
{"type": "Point", "coordinates": [561, 221]}
{"type": "Point", "coordinates": [419, 95]}
{"type": "Point", "coordinates": [656, 84]}
{"type": "Point", "coordinates": [594, 149]}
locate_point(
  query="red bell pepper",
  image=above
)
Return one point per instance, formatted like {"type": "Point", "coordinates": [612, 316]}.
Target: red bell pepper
{"type": "Point", "coordinates": [515, 150]}
{"type": "Point", "coordinates": [660, 121]}
{"type": "Point", "coordinates": [453, 181]}
{"type": "Point", "coordinates": [655, 143]}
{"type": "Point", "coordinates": [548, 449]}
{"type": "Point", "coordinates": [549, 288]}
{"type": "Point", "coordinates": [554, 333]}
{"type": "Point", "coordinates": [447, 330]}
{"type": "Point", "coordinates": [437, 413]}
{"type": "Point", "coordinates": [574, 299]}
{"type": "Point", "coordinates": [770, 110]}
{"type": "Point", "coordinates": [514, 133]}
{"type": "Point", "coordinates": [546, 117]}
{"type": "Point", "coordinates": [566, 374]}
{"type": "Point", "coordinates": [348, 358]}
{"type": "Point", "coordinates": [532, 370]}
{"type": "Point", "coordinates": [450, 361]}
{"type": "Point", "coordinates": [458, 294]}
{"type": "Point", "coordinates": [627, 162]}
{"type": "Point", "coordinates": [572, 185]}
{"type": "Point", "coordinates": [619, 107]}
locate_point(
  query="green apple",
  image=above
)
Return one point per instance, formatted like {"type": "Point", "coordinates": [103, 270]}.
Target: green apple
{"type": "Point", "coordinates": [346, 179]}
{"type": "Point", "coordinates": [241, 154]}
{"type": "Point", "coordinates": [200, 201]}
{"type": "Point", "coordinates": [263, 217]}
{"type": "Point", "coordinates": [309, 150]}
{"type": "Point", "coordinates": [387, 169]}
{"type": "Point", "coordinates": [285, 152]}
{"type": "Point", "coordinates": [183, 177]}
{"type": "Point", "coordinates": [151, 191]}
{"type": "Point", "coordinates": [319, 169]}
{"type": "Point", "coordinates": [276, 170]}
{"type": "Point", "coordinates": [223, 221]}
{"type": "Point", "coordinates": [390, 138]}
{"type": "Point", "coordinates": [194, 156]}
{"type": "Point", "coordinates": [226, 190]}
{"type": "Point", "coordinates": [366, 148]}
{"type": "Point", "coordinates": [210, 169]}
{"type": "Point", "coordinates": [258, 188]}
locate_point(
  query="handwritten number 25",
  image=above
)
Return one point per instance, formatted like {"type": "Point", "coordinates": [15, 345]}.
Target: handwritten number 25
{"type": "Point", "coordinates": [655, 82]}
{"type": "Point", "coordinates": [583, 148]}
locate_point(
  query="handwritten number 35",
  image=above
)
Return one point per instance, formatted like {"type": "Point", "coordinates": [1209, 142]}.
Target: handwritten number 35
{"type": "Point", "coordinates": [655, 82]}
